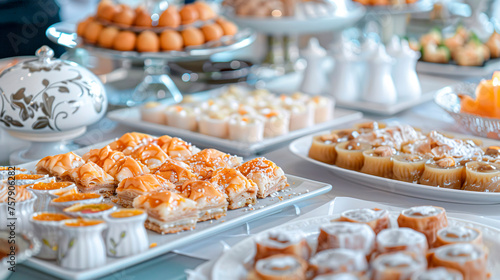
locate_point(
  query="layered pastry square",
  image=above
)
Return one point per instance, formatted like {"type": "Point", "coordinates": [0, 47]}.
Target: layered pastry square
{"type": "Point", "coordinates": [127, 167]}
{"type": "Point", "coordinates": [266, 174]}
{"type": "Point", "coordinates": [129, 141]}
{"type": "Point", "coordinates": [207, 161]}
{"type": "Point", "coordinates": [211, 202]}
{"type": "Point", "coordinates": [176, 172]}
{"type": "Point", "coordinates": [167, 211]}
{"type": "Point", "coordinates": [150, 155]}
{"type": "Point", "coordinates": [90, 178]}
{"type": "Point", "coordinates": [176, 148]}
{"type": "Point", "coordinates": [104, 157]}
{"type": "Point", "coordinates": [239, 190]}
{"type": "Point", "coordinates": [58, 164]}
{"type": "Point", "coordinates": [133, 187]}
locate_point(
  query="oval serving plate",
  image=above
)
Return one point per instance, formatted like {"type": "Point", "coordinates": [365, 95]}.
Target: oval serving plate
{"type": "Point", "coordinates": [232, 264]}
{"type": "Point", "coordinates": [300, 147]}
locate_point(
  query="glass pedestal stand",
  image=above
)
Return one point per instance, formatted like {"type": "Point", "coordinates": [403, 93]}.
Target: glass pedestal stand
{"type": "Point", "coordinates": [156, 84]}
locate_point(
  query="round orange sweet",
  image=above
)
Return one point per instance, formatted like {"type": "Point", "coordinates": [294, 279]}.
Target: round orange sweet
{"type": "Point", "coordinates": [192, 37]}
{"type": "Point", "coordinates": [148, 41]}
{"type": "Point", "coordinates": [125, 41]}
{"type": "Point", "coordinates": [189, 14]}
{"type": "Point", "coordinates": [212, 31]}
{"type": "Point", "coordinates": [171, 40]}
{"type": "Point", "coordinates": [228, 27]}
{"type": "Point", "coordinates": [92, 32]}
{"type": "Point", "coordinates": [142, 17]}
{"type": "Point", "coordinates": [80, 29]}
{"type": "Point", "coordinates": [125, 17]}
{"type": "Point", "coordinates": [170, 18]}
{"type": "Point", "coordinates": [107, 37]}
{"type": "Point", "coordinates": [205, 12]}
{"type": "Point", "coordinates": [106, 10]}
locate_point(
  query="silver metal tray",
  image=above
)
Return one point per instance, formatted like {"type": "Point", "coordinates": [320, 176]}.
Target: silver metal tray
{"type": "Point", "coordinates": [301, 189]}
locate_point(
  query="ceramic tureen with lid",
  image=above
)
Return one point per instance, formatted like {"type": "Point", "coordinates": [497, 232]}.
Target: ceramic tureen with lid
{"type": "Point", "coordinates": [45, 99]}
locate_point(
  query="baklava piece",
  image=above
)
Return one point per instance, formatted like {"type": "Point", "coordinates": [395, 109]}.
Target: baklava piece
{"type": "Point", "coordinates": [90, 178]}
{"type": "Point", "coordinates": [150, 155]}
{"type": "Point", "coordinates": [176, 172]}
{"type": "Point", "coordinates": [132, 187]}
{"type": "Point", "coordinates": [266, 174]}
{"type": "Point", "coordinates": [126, 168]}
{"type": "Point", "coordinates": [239, 190]}
{"type": "Point", "coordinates": [167, 211]}
{"type": "Point", "coordinates": [207, 161]}
{"type": "Point", "coordinates": [104, 157]}
{"type": "Point", "coordinates": [58, 164]}
{"type": "Point", "coordinates": [211, 202]}
{"type": "Point", "coordinates": [129, 141]}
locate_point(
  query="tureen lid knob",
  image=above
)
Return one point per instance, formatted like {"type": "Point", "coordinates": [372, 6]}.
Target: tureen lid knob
{"type": "Point", "coordinates": [45, 52]}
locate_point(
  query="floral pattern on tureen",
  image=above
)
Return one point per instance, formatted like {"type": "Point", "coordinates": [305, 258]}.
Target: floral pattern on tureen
{"type": "Point", "coordinates": [47, 95]}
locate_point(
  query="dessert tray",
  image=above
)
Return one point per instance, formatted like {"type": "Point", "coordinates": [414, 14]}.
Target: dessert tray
{"type": "Point", "coordinates": [300, 148]}
{"type": "Point", "coordinates": [302, 189]}
{"type": "Point", "coordinates": [429, 84]}
{"type": "Point", "coordinates": [63, 33]}
{"type": "Point", "coordinates": [417, 7]}
{"type": "Point", "coordinates": [457, 70]}
{"type": "Point", "coordinates": [132, 118]}
{"type": "Point", "coordinates": [312, 17]}
{"type": "Point", "coordinates": [234, 263]}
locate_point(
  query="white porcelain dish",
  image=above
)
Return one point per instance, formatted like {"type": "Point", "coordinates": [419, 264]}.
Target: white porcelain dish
{"type": "Point", "coordinates": [231, 264]}
{"type": "Point", "coordinates": [429, 84]}
{"type": "Point", "coordinates": [302, 189]}
{"type": "Point", "coordinates": [300, 147]}
{"type": "Point", "coordinates": [131, 117]}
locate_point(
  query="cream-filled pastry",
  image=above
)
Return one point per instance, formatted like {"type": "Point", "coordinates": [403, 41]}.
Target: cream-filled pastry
{"type": "Point", "coordinates": [183, 117]}
{"type": "Point", "coordinates": [323, 108]}
{"type": "Point", "coordinates": [347, 235]}
{"type": "Point", "coordinates": [282, 242]}
{"type": "Point", "coordinates": [246, 128]}
{"type": "Point", "coordinates": [153, 112]}
{"type": "Point", "coordinates": [425, 219]}
{"type": "Point", "coordinates": [458, 234]}
{"type": "Point", "coordinates": [469, 259]}
{"type": "Point", "coordinates": [401, 239]}
{"type": "Point", "coordinates": [279, 267]}
{"type": "Point", "coordinates": [339, 261]}
{"type": "Point", "coordinates": [397, 266]}
{"type": "Point", "coordinates": [377, 219]}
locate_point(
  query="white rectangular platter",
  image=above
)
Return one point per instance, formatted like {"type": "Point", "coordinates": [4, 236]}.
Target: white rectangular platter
{"type": "Point", "coordinates": [300, 148]}
{"type": "Point", "coordinates": [300, 189]}
{"type": "Point", "coordinates": [132, 118]}
{"type": "Point", "coordinates": [429, 84]}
